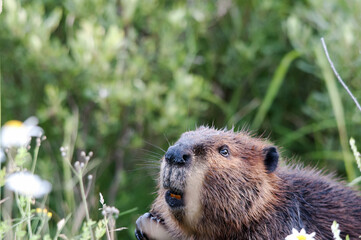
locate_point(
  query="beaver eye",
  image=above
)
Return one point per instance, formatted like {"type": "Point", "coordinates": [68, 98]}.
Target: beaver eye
{"type": "Point", "coordinates": [224, 151]}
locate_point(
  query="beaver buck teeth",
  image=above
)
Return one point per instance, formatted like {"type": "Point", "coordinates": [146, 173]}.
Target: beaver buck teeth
{"type": "Point", "coordinates": [174, 200]}
{"type": "Point", "coordinates": [179, 197]}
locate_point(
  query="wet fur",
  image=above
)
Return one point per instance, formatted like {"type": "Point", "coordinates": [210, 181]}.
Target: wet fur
{"type": "Point", "coordinates": [242, 197]}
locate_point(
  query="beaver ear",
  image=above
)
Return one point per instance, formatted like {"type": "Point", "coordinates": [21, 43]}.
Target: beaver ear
{"type": "Point", "coordinates": [270, 158]}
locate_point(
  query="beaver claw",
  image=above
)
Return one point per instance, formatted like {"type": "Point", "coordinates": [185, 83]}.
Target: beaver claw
{"type": "Point", "coordinates": [140, 235]}
{"type": "Point", "coordinates": [149, 226]}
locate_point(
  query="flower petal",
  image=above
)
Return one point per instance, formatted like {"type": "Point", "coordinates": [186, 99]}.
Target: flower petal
{"type": "Point", "coordinates": [35, 131]}
{"type": "Point", "coordinates": [27, 184]}
{"type": "Point", "coordinates": [18, 134]}
{"type": "Point", "coordinates": [12, 136]}
{"type": "Point", "coordinates": [31, 121]}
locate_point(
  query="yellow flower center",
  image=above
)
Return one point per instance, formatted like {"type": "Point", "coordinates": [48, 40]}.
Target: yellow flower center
{"type": "Point", "coordinates": [13, 123]}
{"type": "Point", "coordinates": [301, 237]}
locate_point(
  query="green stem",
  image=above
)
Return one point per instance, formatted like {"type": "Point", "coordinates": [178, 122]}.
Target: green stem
{"type": "Point", "coordinates": [28, 211]}
{"type": "Point", "coordinates": [58, 231]}
{"type": "Point", "coordinates": [42, 222]}
{"type": "Point", "coordinates": [70, 135]}
{"type": "Point", "coordinates": [43, 218]}
{"type": "Point", "coordinates": [83, 196]}
{"type": "Point", "coordinates": [26, 215]}
{"type": "Point", "coordinates": [107, 227]}
{"type": "Point", "coordinates": [36, 152]}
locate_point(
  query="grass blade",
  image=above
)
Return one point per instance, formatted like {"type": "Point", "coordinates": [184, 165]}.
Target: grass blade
{"type": "Point", "coordinates": [274, 87]}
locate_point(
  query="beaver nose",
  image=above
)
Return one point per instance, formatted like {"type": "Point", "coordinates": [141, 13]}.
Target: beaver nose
{"type": "Point", "coordinates": [177, 155]}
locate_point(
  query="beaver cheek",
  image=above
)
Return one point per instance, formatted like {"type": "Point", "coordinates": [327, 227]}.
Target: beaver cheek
{"type": "Point", "coordinates": [193, 194]}
{"type": "Point", "coordinates": [162, 166]}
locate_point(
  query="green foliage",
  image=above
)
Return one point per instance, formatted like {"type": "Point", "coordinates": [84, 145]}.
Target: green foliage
{"type": "Point", "coordinates": [120, 78]}
{"type": "Point", "coordinates": [4, 227]}
{"type": "Point", "coordinates": [26, 222]}
{"type": "Point", "coordinates": [22, 157]}
{"type": "Point", "coordinates": [87, 230]}
{"type": "Point", "coordinates": [305, 27]}
{"type": "Point", "coordinates": [100, 229]}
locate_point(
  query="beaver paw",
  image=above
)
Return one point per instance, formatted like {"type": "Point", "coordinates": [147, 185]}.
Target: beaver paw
{"type": "Point", "coordinates": [149, 226]}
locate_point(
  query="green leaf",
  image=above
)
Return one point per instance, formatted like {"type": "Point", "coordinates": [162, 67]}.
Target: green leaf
{"type": "Point", "coordinates": [20, 233]}
{"type": "Point", "coordinates": [36, 237]}
{"type": "Point", "coordinates": [22, 157]}
{"type": "Point", "coordinates": [2, 176]}
{"type": "Point", "coordinates": [53, 20]}
{"type": "Point", "coordinates": [47, 237]}
{"type": "Point", "coordinates": [4, 227]}
{"type": "Point", "coordinates": [100, 229]}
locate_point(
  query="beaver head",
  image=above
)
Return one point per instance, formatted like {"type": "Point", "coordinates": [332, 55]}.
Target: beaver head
{"type": "Point", "coordinates": [224, 175]}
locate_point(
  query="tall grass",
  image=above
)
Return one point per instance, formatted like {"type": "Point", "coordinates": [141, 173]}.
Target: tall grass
{"type": "Point", "coordinates": [337, 110]}
{"type": "Point", "coordinates": [27, 215]}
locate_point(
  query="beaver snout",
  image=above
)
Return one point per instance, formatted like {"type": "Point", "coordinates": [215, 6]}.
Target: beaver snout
{"type": "Point", "coordinates": [177, 161]}
{"type": "Point", "coordinates": [178, 155]}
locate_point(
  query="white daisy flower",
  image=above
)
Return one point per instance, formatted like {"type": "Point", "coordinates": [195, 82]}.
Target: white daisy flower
{"type": "Point", "coordinates": [28, 184]}
{"type": "Point", "coordinates": [302, 235]}
{"type": "Point", "coordinates": [18, 134]}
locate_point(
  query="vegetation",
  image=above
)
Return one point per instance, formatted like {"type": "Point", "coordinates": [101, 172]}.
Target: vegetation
{"type": "Point", "coordinates": [124, 78]}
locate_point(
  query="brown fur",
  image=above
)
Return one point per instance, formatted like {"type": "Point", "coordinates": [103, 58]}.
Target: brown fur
{"type": "Point", "coordinates": [240, 199]}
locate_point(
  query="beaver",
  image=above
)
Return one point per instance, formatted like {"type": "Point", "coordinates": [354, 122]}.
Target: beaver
{"type": "Point", "coordinates": [222, 184]}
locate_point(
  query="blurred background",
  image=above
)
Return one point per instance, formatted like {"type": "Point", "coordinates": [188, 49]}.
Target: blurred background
{"type": "Point", "coordinates": [124, 78]}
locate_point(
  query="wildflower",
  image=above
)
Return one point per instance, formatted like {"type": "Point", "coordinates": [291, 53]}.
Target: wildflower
{"type": "Point", "coordinates": [302, 235]}
{"type": "Point", "coordinates": [44, 211]}
{"type": "Point", "coordinates": [15, 133]}
{"type": "Point", "coordinates": [355, 152]}
{"type": "Point", "coordinates": [85, 158]}
{"type": "Point", "coordinates": [28, 184]}
{"type": "Point", "coordinates": [38, 210]}
{"type": "Point", "coordinates": [110, 211]}
{"type": "Point", "coordinates": [107, 210]}
{"type": "Point", "coordinates": [101, 199]}
{"type": "Point", "coordinates": [64, 151]}
{"type": "Point", "coordinates": [336, 231]}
